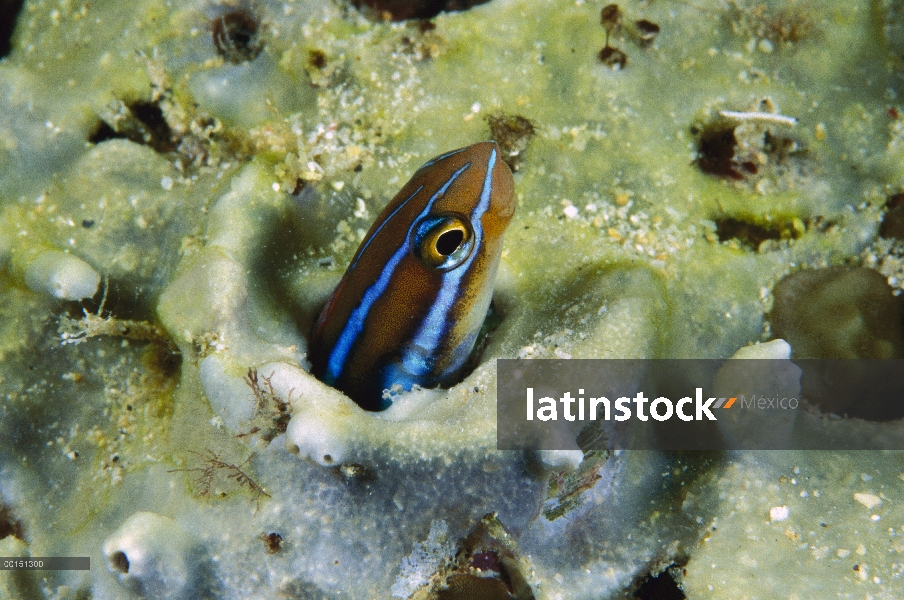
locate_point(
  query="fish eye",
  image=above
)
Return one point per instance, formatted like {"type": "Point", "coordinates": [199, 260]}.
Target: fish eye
{"type": "Point", "coordinates": [443, 242]}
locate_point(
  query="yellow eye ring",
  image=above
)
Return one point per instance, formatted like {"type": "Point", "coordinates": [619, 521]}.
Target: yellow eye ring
{"type": "Point", "coordinates": [443, 242]}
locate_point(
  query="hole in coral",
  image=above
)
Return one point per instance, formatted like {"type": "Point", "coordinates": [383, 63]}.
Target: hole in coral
{"type": "Point", "coordinates": [123, 298]}
{"type": "Point", "coordinates": [328, 459]}
{"type": "Point", "coordinates": [9, 13]}
{"type": "Point", "coordinates": [839, 312]}
{"type": "Point", "coordinates": [162, 359]}
{"type": "Point", "coordinates": [513, 133]}
{"type": "Point", "coordinates": [120, 562]}
{"type": "Point", "coordinates": [716, 152]}
{"type": "Point", "coordinates": [143, 124]}
{"type": "Point", "coordinates": [843, 313]}
{"type": "Point", "coordinates": [158, 134]}
{"type": "Point", "coordinates": [317, 59]}
{"type": "Point", "coordinates": [893, 221]}
{"type": "Point", "coordinates": [9, 526]}
{"type": "Point", "coordinates": [740, 145]}
{"type": "Point", "coordinates": [486, 561]}
{"type": "Point", "coordinates": [751, 235]}
{"type": "Point", "coordinates": [272, 542]}
{"type": "Point", "coordinates": [861, 389]}
{"type": "Point", "coordinates": [236, 35]}
{"type": "Point", "coordinates": [613, 58]}
{"type": "Point", "coordinates": [610, 17]}
{"type": "Point", "coordinates": [402, 10]}
{"type": "Point", "coordinates": [484, 567]}
{"type": "Point", "coordinates": [648, 30]}
{"type": "Point", "coordinates": [659, 587]}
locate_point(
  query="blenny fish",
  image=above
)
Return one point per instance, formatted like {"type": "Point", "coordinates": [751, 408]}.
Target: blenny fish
{"type": "Point", "coordinates": [408, 309]}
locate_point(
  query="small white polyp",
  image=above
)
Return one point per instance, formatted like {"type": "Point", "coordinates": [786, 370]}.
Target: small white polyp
{"type": "Point", "coordinates": [62, 276]}
{"type": "Point", "coordinates": [561, 459]}
{"type": "Point", "coordinates": [150, 555]}
{"type": "Point", "coordinates": [773, 349]}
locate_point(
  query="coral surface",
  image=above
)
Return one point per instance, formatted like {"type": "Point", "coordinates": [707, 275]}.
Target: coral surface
{"type": "Point", "coordinates": [182, 184]}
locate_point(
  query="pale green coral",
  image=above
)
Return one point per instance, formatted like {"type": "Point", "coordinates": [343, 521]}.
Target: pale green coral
{"type": "Point", "coordinates": [222, 201]}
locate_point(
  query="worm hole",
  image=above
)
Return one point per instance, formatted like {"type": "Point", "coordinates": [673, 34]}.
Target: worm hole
{"type": "Point", "coordinates": [120, 562]}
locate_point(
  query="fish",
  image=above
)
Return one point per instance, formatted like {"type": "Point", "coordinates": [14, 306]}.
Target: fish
{"type": "Point", "coordinates": [408, 310]}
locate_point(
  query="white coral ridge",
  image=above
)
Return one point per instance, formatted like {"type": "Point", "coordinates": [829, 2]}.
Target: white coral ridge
{"type": "Point", "coordinates": [424, 560]}
{"type": "Point", "coordinates": [62, 276]}
{"type": "Point", "coordinates": [315, 432]}
{"type": "Point", "coordinates": [229, 395]}
{"type": "Point", "coordinates": [151, 555]}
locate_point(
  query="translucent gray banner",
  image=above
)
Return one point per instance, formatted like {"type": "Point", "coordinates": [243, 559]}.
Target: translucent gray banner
{"type": "Point", "coordinates": [45, 563]}
{"type": "Point", "coordinates": [737, 404]}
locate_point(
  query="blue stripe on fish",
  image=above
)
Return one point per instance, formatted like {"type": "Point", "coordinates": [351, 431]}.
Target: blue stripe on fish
{"type": "Point", "coordinates": [382, 225]}
{"type": "Point", "coordinates": [435, 326]}
{"type": "Point", "coordinates": [355, 324]}
{"type": "Point", "coordinates": [441, 157]}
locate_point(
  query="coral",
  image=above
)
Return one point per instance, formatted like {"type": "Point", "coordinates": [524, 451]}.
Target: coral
{"type": "Point", "coordinates": [839, 313]}
{"type": "Point", "coordinates": [217, 164]}
{"type": "Point", "coordinates": [61, 275]}
{"type": "Point", "coordinates": [425, 559]}
{"type": "Point", "coordinates": [152, 556]}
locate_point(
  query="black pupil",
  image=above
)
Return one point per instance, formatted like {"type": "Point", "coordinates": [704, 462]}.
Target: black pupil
{"type": "Point", "coordinates": [449, 242]}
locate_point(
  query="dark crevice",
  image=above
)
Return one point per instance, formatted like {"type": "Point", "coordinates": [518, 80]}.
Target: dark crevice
{"type": "Point", "coordinates": [660, 587]}
{"type": "Point", "coordinates": [647, 30]}
{"type": "Point", "coordinates": [402, 10]}
{"type": "Point", "coordinates": [9, 525]}
{"type": "Point", "coordinates": [145, 124]}
{"type": "Point", "coordinates": [751, 235]}
{"type": "Point", "coordinates": [844, 313]}
{"type": "Point", "coordinates": [157, 134]}
{"type": "Point", "coordinates": [123, 298]}
{"type": "Point", "coordinates": [893, 220]}
{"type": "Point", "coordinates": [104, 132]}
{"type": "Point", "coordinates": [273, 542]}
{"type": "Point", "coordinates": [9, 14]}
{"type": "Point", "coordinates": [716, 154]}
{"type": "Point", "coordinates": [486, 567]}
